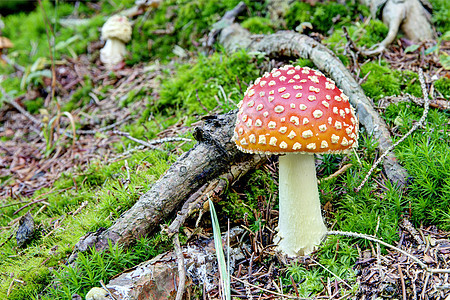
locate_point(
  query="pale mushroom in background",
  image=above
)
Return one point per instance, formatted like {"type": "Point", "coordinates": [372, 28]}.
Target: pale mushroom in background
{"type": "Point", "coordinates": [5, 43]}
{"type": "Point", "coordinates": [117, 32]}
{"type": "Point", "coordinates": [297, 112]}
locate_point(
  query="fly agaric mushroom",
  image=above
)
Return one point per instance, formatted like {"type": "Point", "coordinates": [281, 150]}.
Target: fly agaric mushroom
{"type": "Point", "coordinates": [116, 31]}
{"type": "Point", "coordinates": [297, 112]}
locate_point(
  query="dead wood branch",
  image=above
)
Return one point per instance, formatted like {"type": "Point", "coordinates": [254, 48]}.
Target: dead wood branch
{"type": "Point", "coordinates": [214, 155]}
{"type": "Point", "coordinates": [292, 44]}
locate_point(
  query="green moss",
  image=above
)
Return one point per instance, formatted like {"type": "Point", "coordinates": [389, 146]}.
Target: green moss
{"type": "Point", "coordinates": [441, 15]}
{"type": "Point", "coordinates": [258, 25]}
{"type": "Point", "coordinates": [382, 81]}
{"type": "Point", "coordinates": [443, 86]}
{"type": "Point", "coordinates": [210, 83]}
{"type": "Point", "coordinates": [34, 105]}
{"type": "Point", "coordinates": [321, 15]}
{"type": "Point", "coordinates": [80, 97]}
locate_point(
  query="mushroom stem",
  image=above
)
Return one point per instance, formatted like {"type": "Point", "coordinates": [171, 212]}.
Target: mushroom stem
{"type": "Point", "coordinates": [300, 224]}
{"type": "Point", "coordinates": [113, 52]}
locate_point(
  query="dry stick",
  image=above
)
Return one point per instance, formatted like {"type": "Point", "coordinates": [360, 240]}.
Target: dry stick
{"type": "Point", "coordinates": [268, 291]}
{"type": "Point", "coordinates": [181, 270]}
{"type": "Point", "coordinates": [151, 143]}
{"type": "Point", "coordinates": [374, 239]}
{"type": "Point", "coordinates": [413, 128]}
{"type": "Point", "coordinates": [402, 280]}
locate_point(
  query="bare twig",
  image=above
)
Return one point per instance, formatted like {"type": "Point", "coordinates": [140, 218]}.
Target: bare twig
{"type": "Point", "coordinates": [374, 239]}
{"type": "Point", "coordinates": [413, 128]}
{"type": "Point", "coordinates": [402, 280]}
{"type": "Point", "coordinates": [338, 172]}
{"type": "Point", "coordinates": [181, 269]}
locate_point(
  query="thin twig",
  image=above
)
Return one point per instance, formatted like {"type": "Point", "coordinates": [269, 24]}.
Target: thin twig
{"type": "Point", "coordinates": [329, 271]}
{"type": "Point", "coordinates": [181, 270]}
{"type": "Point", "coordinates": [151, 143]}
{"type": "Point", "coordinates": [413, 128]}
{"type": "Point", "coordinates": [268, 291]}
{"type": "Point", "coordinates": [374, 239]}
{"type": "Point", "coordinates": [402, 280]}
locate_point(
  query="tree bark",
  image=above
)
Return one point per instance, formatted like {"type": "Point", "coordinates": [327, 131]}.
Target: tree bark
{"type": "Point", "coordinates": [214, 155]}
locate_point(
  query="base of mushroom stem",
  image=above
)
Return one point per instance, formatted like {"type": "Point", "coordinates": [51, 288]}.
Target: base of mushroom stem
{"type": "Point", "coordinates": [301, 251]}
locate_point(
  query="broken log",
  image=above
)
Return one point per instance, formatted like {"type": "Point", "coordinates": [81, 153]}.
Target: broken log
{"type": "Point", "coordinates": [214, 155]}
{"type": "Point", "coordinates": [293, 45]}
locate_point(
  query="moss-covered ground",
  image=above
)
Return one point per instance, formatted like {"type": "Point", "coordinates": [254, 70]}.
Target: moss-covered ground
{"type": "Point", "coordinates": [188, 86]}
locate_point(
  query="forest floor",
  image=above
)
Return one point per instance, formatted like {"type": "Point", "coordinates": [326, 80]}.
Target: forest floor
{"type": "Point", "coordinates": [79, 151]}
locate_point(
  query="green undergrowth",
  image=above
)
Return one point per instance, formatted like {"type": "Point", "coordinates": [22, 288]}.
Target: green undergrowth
{"type": "Point", "coordinates": [104, 193]}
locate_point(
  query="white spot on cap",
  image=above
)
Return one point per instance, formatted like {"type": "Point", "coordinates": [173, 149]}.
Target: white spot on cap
{"type": "Point", "coordinates": [259, 107]}
{"type": "Point", "coordinates": [266, 74]}
{"type": "Point", "coordinates": [272, 83]}
{"type": "Point", "coordinates": [282, 119]}
{"type": "Point", "coordinates": [283, 129]}
{"type": "Point", "coordinates": [249, 123]}
{"type": "Point", "coordinates": [342, 113]}
{"type": "Point", "coordinates": [323, 145]}
{"type": "Point", "coordinates": [244, 118]}
{"type": "Point", "coordinates": [311, 146]}
{"type": "Point", "coordinates": [295, 120]}
{"type": "Point", "coordinates": [257, 81]}
{"type": "Point", "coordinates": [334, 139]}
{"type": "Point", "coordinates": [282, 78]}
{"type": "Point", "coordinates": [307, 134]}
{"type": "Point", "coordinates": [292, 134]}
{"type": "Point", "coordinates": [330, 120]}
{"type": "Point", "coordinates": [261, 94]}
{"type": "Point", "coordinates": [311, 98]}
{"type": "Point", "coordinates": [273, 141]}
{"type": "Point", "coordinates": [262, 139]}
{"type": "Point", "coordinates": [281, 89]}
{"type": "Point", "coordinates": [305, 121]}
{"type": "Point", "coordinates": [290, 72]}
{"type": "Point", "coordinates": [296, 146]}
{"type": "Point", "coordinates": [276, 74]}
{"type": "Point", "coordinates": [239, 104]}
{"type": "Point", "coordinates": [262, 83]}
{"type": "Point", "coordinates": [298, 87]}
{"type": "Point", "coordinates": [313, 89]}
{"type": "Point", "coordinates": [292, 105]}
{"type": "Point", "coordinates": [279, 109]}
{"type": "Point", "coordinates": [344, 97]}
{"type": "Point", "coordinates": [240, 130]}
{"type": "Point", "coordinates": [296, 76]}
{"type": "Point", "coordinates": [353, 120]}
{"type": "Point", "coordinates": [338, 125]}
{"type": "Point", "coordinates": [318, 73]}
{"type": "Point", "coordinates": [251, 92]}
{"type": "Point", "coordinates": [329, 86]}
{"type": "Point", "coordinates": [317, 113]}
{"type": "Point", "coordinates": [271, 92]}
{"type": "Point", "coordinates": [337, 98]}
{"type": "Point", "coordinates": [344, 142]}
{"type": "Point", "coordinates": [243, 142]}
{"type": "Point", "coordinates": [258, 123]}
{"type": "Point", "coordinates": [326, 104]}
{"type": "Point", "coordinates": [328, 97]}
{"type": "Point", "coordinates": [265, 114]}
{"type": "Point", "coordinates": [303, 80]}
{"type": "Point", "coordinates": [314, 79]}
{"type": "Point", "coordinates": [285, 95]}
{"type": "Point", "coordinates": [298, 95]}
{"type": "Point", "coordinates": [251, 103]}
{"type": "Point", "coordinates": [283, 145]}
{"type": "Point", "coordinates": [291, 80]}
{"type": "Point", "coordinates": [252, 138]}
{"type": "Point", "coordinates": [347, 111]}
{"type": "Point", "coordinates": [302, 106]}
{"type": "Point", "coordinates": [297, 67]}
{"type": "Point", "coordinates": [270, 98]}
{"type": "Point", "coordinates": [335, 110]}
{"type": "Point", "coordinates": [305, 71]}
{"type": "Point", "coordinates": [323, 127]}
{"type": "Point", "coordinates": [272, 125]}
{"type": "Point", "coordinates": [348, 130]}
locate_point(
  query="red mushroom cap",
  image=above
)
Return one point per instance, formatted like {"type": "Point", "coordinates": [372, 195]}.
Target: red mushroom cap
{"type": "Point", "coordinates": [295, 109]}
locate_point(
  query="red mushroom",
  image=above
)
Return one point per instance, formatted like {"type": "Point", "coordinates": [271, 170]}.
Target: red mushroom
{"type": "Point", "coordinates": [298, 112]}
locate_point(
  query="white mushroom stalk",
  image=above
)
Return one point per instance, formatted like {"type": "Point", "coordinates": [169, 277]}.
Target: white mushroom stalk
{"type": "Point", "coordinates": [117, 32]}
{"type": "Point", "coordinates": [297, 112]}
{"type": "Point", "coordinates": [300, 226]}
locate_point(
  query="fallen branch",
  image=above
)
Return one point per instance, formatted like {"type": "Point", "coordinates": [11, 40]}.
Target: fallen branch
{"type": "Point", "coordinates": [292, 44]}
{"type": "Point", "coordinates": [214, 155]}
